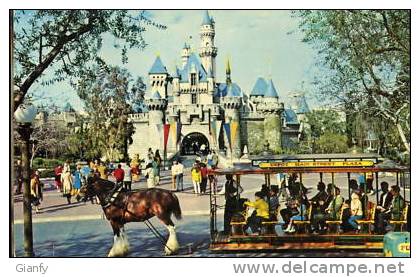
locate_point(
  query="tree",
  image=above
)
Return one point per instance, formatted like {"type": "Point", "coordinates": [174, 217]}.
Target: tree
{"type": "Point", "coordinates": [332, 143]}
{"type": "Point", "coordinates": [67, 43]}
{"type": "Point", "coordinates": [109, 96]}
{"type": "Point", "coordinates": [366, 59]}
{"type": "Point", "coordinates": [325, 127]}
{"type": "Point", "coordinates": [48, 137]}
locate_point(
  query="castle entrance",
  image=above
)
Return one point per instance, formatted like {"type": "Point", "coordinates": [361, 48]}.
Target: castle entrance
{"type": "Point", "coordinates": [194, 143]}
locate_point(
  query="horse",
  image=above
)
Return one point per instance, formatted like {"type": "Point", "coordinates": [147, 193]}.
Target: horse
{"type": "Point", "coordinates": [121, 207]}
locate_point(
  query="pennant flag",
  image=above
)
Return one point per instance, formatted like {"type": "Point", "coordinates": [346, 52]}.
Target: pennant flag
{"type": "Point", "coordinates": [228, 134]}
{"type": "Point", "coordinates": [173, 130]}
{"type": "Point", "coordinates": [218, 130]}
{"type": "Point", "coordinates": [234, 131]}
{"type": "Point", "coordinates": [165, 134]}
{"type": "Point", "coordinates": [178, 131]}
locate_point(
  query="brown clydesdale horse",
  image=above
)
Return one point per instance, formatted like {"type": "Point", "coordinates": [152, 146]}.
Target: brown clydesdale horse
{"type": "Point", "coordinates": [121, 207]}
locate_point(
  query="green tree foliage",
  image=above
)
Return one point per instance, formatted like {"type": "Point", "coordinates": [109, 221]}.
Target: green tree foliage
{"type": "Point", "coordinates": [331, 143]}
{"type": "Point", "coordinates": [325, 132]}
{"type": "Point", "coordinates": [109, 96]}
{"type": "Point", "coordinates": [366, 56]}
{"type": "Point", "coordinates": [65, 43]}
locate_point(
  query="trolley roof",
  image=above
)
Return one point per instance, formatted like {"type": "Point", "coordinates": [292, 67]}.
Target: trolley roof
{"type": "Point", "coordinates": [309, 163]}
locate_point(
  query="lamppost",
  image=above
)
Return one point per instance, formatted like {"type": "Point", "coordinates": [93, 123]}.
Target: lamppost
{"type": "Point", "coordinates": [25, 115]}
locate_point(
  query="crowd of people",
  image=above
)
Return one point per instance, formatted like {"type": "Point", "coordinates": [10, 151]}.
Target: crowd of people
{"type": "Point", "coordinates": [326, 205]}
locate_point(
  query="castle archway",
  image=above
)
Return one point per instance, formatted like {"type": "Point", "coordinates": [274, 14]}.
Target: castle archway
{"type": "Point", "coordinates": [193, 142]}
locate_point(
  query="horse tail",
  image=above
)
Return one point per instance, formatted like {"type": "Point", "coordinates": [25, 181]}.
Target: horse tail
{"type": "Point", "coordinates": [176, 208]}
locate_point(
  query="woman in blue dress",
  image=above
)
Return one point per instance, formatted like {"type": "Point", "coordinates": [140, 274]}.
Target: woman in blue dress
{"type": "Point", "coordinates": [77, 179]}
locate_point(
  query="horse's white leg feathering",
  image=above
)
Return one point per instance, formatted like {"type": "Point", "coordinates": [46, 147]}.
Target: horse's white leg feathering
{"type": "Point", "coordinates": [172, 244]}
{"type": "Point", "coordinates": [120, 247]}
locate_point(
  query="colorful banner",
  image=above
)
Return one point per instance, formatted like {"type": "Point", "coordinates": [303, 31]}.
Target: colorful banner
{"type": "Point", "coordinates": [178, 131]}
{"type": "Point", "coordinates": [173, 131]}
{"type": "Point", "coordinates": [228, 134]}
{"type": "Point", "coordinates": [234, 131]}
{"type": "Point", "coordinates": [165, 134]}
{"type": "Point", "coordinates": [218, 130]}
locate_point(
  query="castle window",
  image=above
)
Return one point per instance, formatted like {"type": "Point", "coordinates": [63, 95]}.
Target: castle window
{"type": "Point", "coordinates": [193, 79]}
{"type": "Point", "coordinates": [194, 98]}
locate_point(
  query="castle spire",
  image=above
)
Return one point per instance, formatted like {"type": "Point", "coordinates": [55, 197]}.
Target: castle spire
{"type": "Point", "coordinates": [228, 72]}
{"type": "Point", "coordinates": [207, 20]}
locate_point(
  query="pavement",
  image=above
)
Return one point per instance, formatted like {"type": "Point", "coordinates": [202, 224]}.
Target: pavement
{"type": "Point", "coordinates": [79, 229]}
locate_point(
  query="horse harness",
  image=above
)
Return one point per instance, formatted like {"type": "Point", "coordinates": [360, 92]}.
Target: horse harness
{"type": "Point", "coordinates": [110, 199]}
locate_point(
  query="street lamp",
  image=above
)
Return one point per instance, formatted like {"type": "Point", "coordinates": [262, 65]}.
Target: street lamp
{"type": "Point", "coordinates": [25, 115]}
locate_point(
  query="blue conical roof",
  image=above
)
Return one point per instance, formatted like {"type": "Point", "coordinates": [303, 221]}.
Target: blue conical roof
{"type": "Point", "coordinates": [233, 90]}
{"type": "Point", "coordinates": [206, 18]}
{"type": "Point", "coordinates": [302, 106]}
{"type": "Point", "coordinates": [271, 90]}
{"type": "Point", "coordinates": [259, 88]}
{"type": "Point", "coordinates": [158, 67]}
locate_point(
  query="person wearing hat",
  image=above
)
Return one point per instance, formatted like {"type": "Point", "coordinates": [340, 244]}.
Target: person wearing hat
{"type": "Point", "coordinates": [261, 212]}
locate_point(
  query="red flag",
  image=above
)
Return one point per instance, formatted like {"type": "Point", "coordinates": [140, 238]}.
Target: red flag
{"type": "Point", "coordinates": [166, 128]}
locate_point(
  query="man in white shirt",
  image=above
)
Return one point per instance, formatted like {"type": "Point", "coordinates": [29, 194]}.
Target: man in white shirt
{"type": "Point", "coordinates": [178, 172]}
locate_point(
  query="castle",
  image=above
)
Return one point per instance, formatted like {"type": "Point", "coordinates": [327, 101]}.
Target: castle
{"type": "Point", "coordinates": [193, 98]}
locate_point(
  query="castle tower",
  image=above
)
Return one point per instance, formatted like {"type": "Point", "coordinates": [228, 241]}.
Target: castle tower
{"type": "Point", "coordinates": [300, 106]}
{"type": "Point", "coordinates": [185, 54]}
{"type": "Point", "coordinates": [272, 110]}
{"type": "Point", "coordinates": [208, 51]}
{"type": "Point", "coordinates": [158, 77]}
{"type": "Point", "coordinates": [156, 105]}
{"type": "Point", "coordinates": [232, 103]}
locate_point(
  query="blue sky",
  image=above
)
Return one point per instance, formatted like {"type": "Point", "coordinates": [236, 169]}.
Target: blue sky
{"type": "Point", "coordinates": [258, 43]}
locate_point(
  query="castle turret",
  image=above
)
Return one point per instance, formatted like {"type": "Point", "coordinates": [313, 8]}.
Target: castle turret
{"type": "Point", "coordinates": [232, 103]}
{"type": "Point", "coordinates": [300, 106]}
{"type": "Point", "coordinates": [208, 51]}
{"type": "Point", "coordinates": [158, 77]}
{"type": "Point", "coordinates": [272, 110]}
{"type": "Point", "coordinates": [156, 106]}
{"type": "Point", "coordinates": [186, 52]}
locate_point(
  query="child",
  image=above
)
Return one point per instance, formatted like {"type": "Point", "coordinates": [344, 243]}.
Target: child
{"type": "Point", "coordinates": [261, 212]}
{"type": "Point", "coordinates": [301, 206]}
{"type": "Point", "coordinates": [196, 178]}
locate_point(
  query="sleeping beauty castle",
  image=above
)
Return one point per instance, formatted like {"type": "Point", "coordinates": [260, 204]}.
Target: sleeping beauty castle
{"type": "Point", "coordinates": [189, 108]}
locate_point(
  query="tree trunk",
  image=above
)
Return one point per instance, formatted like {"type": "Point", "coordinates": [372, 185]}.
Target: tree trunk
{"type": "Point", "coordinates": [403, 137]}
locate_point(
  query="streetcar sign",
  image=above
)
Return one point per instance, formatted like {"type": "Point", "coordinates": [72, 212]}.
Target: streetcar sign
{"type": "Point", "coordinates": [316, 164]}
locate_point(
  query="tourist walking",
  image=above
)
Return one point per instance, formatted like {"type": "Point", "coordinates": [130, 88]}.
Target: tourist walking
{"type": "Point", "coordinates": [57, 172]}
{"type": "Point", "coordinates": [128, 179]}
{"type": "Point", "coordinates": [204, 173]}
{"type": "Point", "coordinates": [196, 178]}
{"type": "Point", "coordinates": [119, 176]}
{"type": "Point", "coordinates": [103, 172]}
{"type": "Point", "coordinates": [36, 191]}
{"type": "Point", "coordinates": [78, 177]}
{"type": "Point", "coordinates": [67, 183]}
{"type": "Point", "coordinates": [18, 177]}
{"type": "Point", "coordinates": [215, 159]}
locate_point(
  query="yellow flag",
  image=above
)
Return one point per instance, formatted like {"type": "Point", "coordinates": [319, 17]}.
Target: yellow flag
{"type": "Point", "coordinates": [234, 131]}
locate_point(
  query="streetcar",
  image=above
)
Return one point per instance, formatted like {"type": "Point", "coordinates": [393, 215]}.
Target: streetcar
{"type": "Point", "coordinates": [324, 167]}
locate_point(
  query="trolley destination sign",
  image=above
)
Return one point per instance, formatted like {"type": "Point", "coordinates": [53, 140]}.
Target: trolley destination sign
{"type": "Point", "coordinates": [316, 164]}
